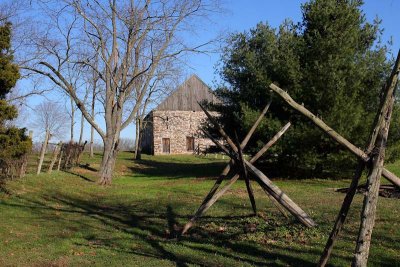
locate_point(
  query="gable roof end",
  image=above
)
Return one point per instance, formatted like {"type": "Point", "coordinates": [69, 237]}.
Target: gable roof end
{"type": "Point", "coordinates": [186, 96]}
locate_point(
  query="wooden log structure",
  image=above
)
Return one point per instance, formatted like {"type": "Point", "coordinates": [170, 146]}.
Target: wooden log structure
{"type": "Point", "coordinates": [242, 166]}
{"type": "Point", "coordinates": [374, 153]}
{"type": "Point", "coordinates": [371, 198]}
{"type": "Point", "coordinates": [332, 133]}
{"type": "Point", "coordinates": [236, 154]}
{"type": "Point", "coordinates": [272, 189]}
{"type": "Point", "coordinates": [225, 172]}
{"type": "Point", "coordinates": [213, 196]}
{"type": "Point", "coordinates": [386, 101]}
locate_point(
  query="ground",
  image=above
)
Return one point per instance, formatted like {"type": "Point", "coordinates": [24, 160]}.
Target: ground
{"type": "Point", "coordinates": [66, 219]}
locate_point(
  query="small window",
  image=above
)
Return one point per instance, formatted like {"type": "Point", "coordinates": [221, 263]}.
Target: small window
{"type": "Point", "coordinates": [189, 143]}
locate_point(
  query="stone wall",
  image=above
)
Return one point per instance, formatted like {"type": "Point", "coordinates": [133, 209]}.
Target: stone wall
{"type": "Point", "coordinates": [177, 125]}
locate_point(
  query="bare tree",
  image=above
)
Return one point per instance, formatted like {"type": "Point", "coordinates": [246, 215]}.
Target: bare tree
{"type": "Point", "coordinates": [164, 81]}
{"type": "Point", "coordinates": [50, 116]}
{"type": "Point", "coordinates": [9, 9]}
{"type": "Point", "coordinates": [131, 39]}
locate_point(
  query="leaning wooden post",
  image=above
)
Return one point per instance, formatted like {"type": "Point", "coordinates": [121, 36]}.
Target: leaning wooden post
{"type": "Point", "coordinates": [211, 199]}
{"type": "Point", "coordinates": [60, 158]}
{"type": "Point", "coordinates": [371, 199]}
{"type": "Point", "coordinates": [43, 151]}
{"type": "Point", "coordinates": [274, 191]}
{"type": "Point", "coordinates": [54, 157]}
{"type": "Point", "coordinates": [378, 123]}
{"type": "Point", "coordinates": [281, 197]}
{"type": "Point", "coordinates": [332, 133]}
{"type": "Point", "coordinates": [245, 175]}
{"type": "Point", "coordinates": [225, 172]}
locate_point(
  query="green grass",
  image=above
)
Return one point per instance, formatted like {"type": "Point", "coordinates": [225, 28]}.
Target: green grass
{"type": "Point", "coordinates": [66, 219]}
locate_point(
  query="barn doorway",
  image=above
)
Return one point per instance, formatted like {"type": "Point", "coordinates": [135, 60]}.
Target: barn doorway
{"type": "Point", "coordinates": [189, 143]}
{"type": "Point", "coordinates": [166, 145]}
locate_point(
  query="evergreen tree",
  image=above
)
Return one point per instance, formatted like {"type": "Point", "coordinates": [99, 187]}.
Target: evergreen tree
{"type": "Point", "coordinates": [332, 62]}
{"type": "Point", "coordinates": [13, 141]}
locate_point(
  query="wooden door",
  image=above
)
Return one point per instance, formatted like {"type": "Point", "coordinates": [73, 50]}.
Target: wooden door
{"type": "Point", "coordinates": [189, 143]}
{"type": "Point", "coordinates": [166, 145]}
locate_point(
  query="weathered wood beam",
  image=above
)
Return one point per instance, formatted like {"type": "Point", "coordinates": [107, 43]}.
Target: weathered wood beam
{"type": "Point", "coordinates": [273, 200]}
{"type": "Point", "coordinates": [281, 197]}
{"type": "Point", "coordinates": [318, 122]}
{"type": "Point", "coordinates": [391, 177]}
{"type": "Point", "coordinates": [255, 125]}
{"type": "Point", "coordinates": [328, 130]}
{"type": "Point", "coordinates": [225, 172]}
{"type": "Point", "coordinates": [245, 175]}
{"type": "Point", "coordinates": [275, 192]}
{"type": "Point", "coordinates": [221, 131]}
{"type": "Point", "coordinates": [207, 204]}
{"type": "Point", "coordinates": [371, 198]}
{"type": "Point", "coordinates": [59, 159]}
{"type": "Point", "coordinates": [43, 152]}
{"type": "Point", "coordinates": [385, 103]}
{"type": "Point", "coordinates": [54, 157]}
{"type": "Point", "coordinates": [388, 91]}
{"type": "Point", "coordinates": [344, 210]}
{"type": "Point", "coordinates": [221, 146]}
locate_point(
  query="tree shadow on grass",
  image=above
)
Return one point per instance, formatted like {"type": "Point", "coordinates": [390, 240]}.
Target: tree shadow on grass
{"type": "Point", "coordinates": [80, 176]}
{"type": "Point", "coordinates": [158, 227]}
{"type": "Point", "coordinates": [177, 169]}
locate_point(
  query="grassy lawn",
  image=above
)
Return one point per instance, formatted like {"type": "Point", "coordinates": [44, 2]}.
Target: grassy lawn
{"type": "Point", "coordinates": [66, 219]}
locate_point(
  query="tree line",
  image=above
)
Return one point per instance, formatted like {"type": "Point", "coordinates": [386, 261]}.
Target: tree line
{"type": "Point", "coordinates": [333, 62]}
{"type": "Point", "coordinates": [112, 59]}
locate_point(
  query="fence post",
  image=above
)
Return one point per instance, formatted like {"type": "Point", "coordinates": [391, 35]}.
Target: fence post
{"type": "Point", "coordinates": [55, 155]}
{"type": "Point", "coordinates": [43, 151]}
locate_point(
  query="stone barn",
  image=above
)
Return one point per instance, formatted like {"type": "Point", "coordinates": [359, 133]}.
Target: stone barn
{"type": "Point", "coordinates": [173, 127]}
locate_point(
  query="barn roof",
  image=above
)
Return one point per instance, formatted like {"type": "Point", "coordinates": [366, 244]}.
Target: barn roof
{"type": "Point", "coordinates": [186, 96]}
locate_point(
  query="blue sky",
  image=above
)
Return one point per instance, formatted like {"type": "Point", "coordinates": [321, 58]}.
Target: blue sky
{"type": "Point", "coordinates": [241, 15]}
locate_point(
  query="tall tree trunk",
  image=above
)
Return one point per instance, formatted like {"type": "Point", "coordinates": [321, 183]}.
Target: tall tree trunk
{"type": "Point", "coordinates": [138, 141]}
{"type": "Point", "coordinates": [92, 113]}
{"type": "Point", "coordinates": [91, 142]}
{"type": "Point", "coordinates": [111, 142]}
{"type": "Point", "coordinates": [72, 119]}
{"type": "Point", "coordinates": [81, 130]}
{"type": "Point", "coordinates": [110, 153]}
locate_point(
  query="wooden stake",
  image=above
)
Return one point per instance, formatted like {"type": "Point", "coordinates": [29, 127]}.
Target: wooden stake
{"type": "Point", "coordinates": [225, 172]}
{"type": "Point", "coordinates": [274, 191]}
{"type": "Point", "coordinates": [215, 196]}
{"type": "Point", "coordinates": [245, 176]}
{"type": "Point", "coordinates": [273, 200]}
{"type": "Point", "coordinates": [43, 151]}
{"type": "Point", "coordinates": [281, 197]}
{"type": "Point", "coordinates": [54, 157]}
{"type": "Point", "coordinates": [378, 124]}
{"type": "Point", "coordinates": [332, 133]}
{"type": "Point", "coordinates": [59, 159]}
{"type": "Point", "coordinates": [344, 210]}
{"type": "Point", "coordinates": [371, 198]}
